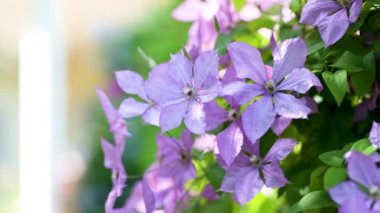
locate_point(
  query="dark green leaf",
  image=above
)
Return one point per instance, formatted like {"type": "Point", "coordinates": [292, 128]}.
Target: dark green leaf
{"type": "Point", "coordinates": [350, 62]}
{"type": "Point", "coordinates": [221, 43]}
{"type": "Point", "coordinates": [313, 200]}
{"type": "Point", "coordinates": [316, 178]}
{"type": "Point", "coordinates": [333, 176]}
{"type": "Point", "coordinates": [332, 158]}
{"type": "Point", "coordinates": [314, 43]}
{"type": "Point", "coordinates": [337, 84]}
{"type": "Point", "coordinates": [363, 81]}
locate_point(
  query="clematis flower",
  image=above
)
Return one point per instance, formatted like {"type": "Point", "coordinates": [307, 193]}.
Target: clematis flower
{"type": "Point", "coordinates": [116, 122]}
{"type": "Point", "coordinates": [369, 104]}
{"type": "Point", "coordinates": [133, 83]}
{"type": "Point", "coordinates": [332, 17]}
{"type": "Point", "coordinates": [113, 161]}
{"type": "Point", "coordinates": [254, 9]}
{"type": "Point", "coordinates": [202, 34]}
{"type": "Point", "coordinates": [175, 158]}
{"type": "Point", "coordinates": [183, 88]}
{"type": "Point", "coordinates": [155, 193]}
{"type": "Point", "coordinates": [243, 176]}
{"type": "Point", "coordinates": [363, 188]}
{"type": "Point", "coordinates": [270, 90]}
{"type": "Point", "coordinates": [374, 135]}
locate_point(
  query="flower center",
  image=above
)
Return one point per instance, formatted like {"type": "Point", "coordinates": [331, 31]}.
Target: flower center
{"type": "Point", "coordinates": [255, 160]}
{"type": "Point", "coordinates": [233, 115]}
{"type": "Point", "coordinates": [189, 91]}
{"type": "Point", "coordinates": [374, 191]}
{"type": "Point", "coordinates": [270, 86]}
{"type": "Point", "coordinates": [344, 3]}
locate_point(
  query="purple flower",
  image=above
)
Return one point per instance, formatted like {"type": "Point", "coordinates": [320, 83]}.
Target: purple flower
{"type": "Point", "coordinates": [202, 34]}
{"type": "Point", "coordinates": [113, 161]}
{"type": "Point", "coordinates": [182, 89]}
{"type": "Point", "coordinates": [116, 122]}
{"type": "Point", "coordinates": [132, 83]}
{"type": "Point", "coordinates": [374, 135]}
{"type": "Point", "coordinates": [243, 176]}
{"type": "Point", "coordinates": [369, 104]}
{"type": "Point", "coordinates": [175, 158]}
{"type": "Point", "coordinates": [332, 17]}
{"type": "Point", "coordinates": [155, 192]}
{"type": "Point", "coordinates": [270, 87]}
{"type": "Point", "coordinates": [363, 188]}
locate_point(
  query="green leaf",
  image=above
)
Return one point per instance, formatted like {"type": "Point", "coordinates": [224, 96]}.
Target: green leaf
{"type": "Point", "coordinates": [313, 200]}
{"type": "Point", "coordinates": [333, 176]}
{"type": "Point", "coordinates": [215, 175]}
{"type": "Point", "coordinates": [262, 22]}
{"type": "Point", "coordinates": [239, 4]}
{"type": "Point", "coordinates": [316, 178]}
{"type": "Point", "coordinates": [314, 43]}
{"type": "Point", "coordinates": [364, 146]}
{"type": "Point", "coordinates": [363, 81]}
{"type": "Point", "coordinates": [332, 158]}
{"type": "Point", "coordinates": [221, 43]}
{"type": "Point", "coordinates": [337, 84]}
{"type": "Point", "coordinates": [216, 25]}
{"type": "Point", "coordinates": [350, 62]}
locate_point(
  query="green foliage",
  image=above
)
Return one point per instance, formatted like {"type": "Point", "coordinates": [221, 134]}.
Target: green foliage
{"type": "Point", "coordinates": [313, 200]}
{"type": "Point", "coordinates": [337, 84]}
{"type": "Point", "coordinates": [332, 158]}
{"type": "Point", "coordinates": [333, 176]}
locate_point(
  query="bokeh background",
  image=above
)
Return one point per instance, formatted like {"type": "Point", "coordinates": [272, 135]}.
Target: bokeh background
{"type": "Point", "coordinates": [89, 40]}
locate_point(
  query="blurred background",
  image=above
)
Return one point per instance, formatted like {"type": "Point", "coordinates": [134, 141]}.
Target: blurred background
{"type": "Point", "coordinates": [53, 55]}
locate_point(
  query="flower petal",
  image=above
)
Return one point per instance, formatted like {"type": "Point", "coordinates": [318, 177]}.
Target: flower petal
{"type": "Point", "coordinates": [171, 116]}
{"type": "Point", "coordinates": [300, 80]}
{"type": "Point", "coordinates": [258, 118]}
{"type": "Point", "coordinates": [206, 65]}
{"type": "Point", "coordinates": [287, 56]}
{"type": "Point", "coordinates": [195, 119]}
{"type": "Point", "coordinates": [344, 191]}
{"type": "Point", "coordinates": [110, 154]}
{"type": "Point", "coordinates": [242, 92]}
{"type": "Point", "coordinates": [210, 89]}
{"type": "Point", "coordinates": [152, 115]}
{"type": "Point", "coordinates": [190, 11]}
{"type": "Point", "coordinates": [362, 169]}
{"type": "Point", "coordinates": [180, 69]}
{"type": "Point", "coordinates": [290, 107]}
{"type": "Point", "coordinates": [232, 176]}
{"type": "Point", "coordinates": [247, 61]}
{"type": "Point", "coordinates": [374, 135]}
{"type": "Point", "coordinates": [162, 89]}
{"type": "Point", "coordinates": [107, 106]}
{"type": "Point", "coordinates": [356, 204]}
{"type": "Point", "coordinates": [215, 115]}
{"type": "Point", "coordinates": [274, 176]}
{"type": "Point", "coordinates": [280, 149]}
{"type": "Point", "coordinates": [148, 196]}
{"type": "Point", "coordinates": [280, 124]}
{"type": "Point", "coordinates": [315, 10]}
{"type": "Point", "coordinates": [187, 140]}
{"type": "Point", "coordinates": [355, 8]}
{"type": "Point", "coordinates": [333, 27]}
{"type": "Point", "coordinates": [131, 108]}
{"type": "Point", "coordinates": [229, 142]}
{"type": "Point", "coordinates": [248, 186]}
{"type": "Point", "coordinates": [131, 83]}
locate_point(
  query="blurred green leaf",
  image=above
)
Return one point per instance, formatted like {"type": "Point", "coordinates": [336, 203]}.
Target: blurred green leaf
{"type": "Point", "coordinates": [262, 22]}
{"type": "Point", "coordinates": [239, 4]}
{"type": "Point", "coordinates": [364, 146]}
{"type": "Point", "coordinates": [316, 181]}
{"type": "Point", "coordinates": [221, 43]}
{"type": "Point", "coordinates": [332, 158]}
{"type": "Point", "coordinates": [313, 200]}
{"type": "Point", "coordinates": [314, 43]}
{"type": "Point", "coordinates": [363, 81]}
{"type": "Point", "coordinates": [215, 175]}
{"type": "Point", "coordinates": [337, 84]}
{"type": "Point", "coordinates": [333, 176]}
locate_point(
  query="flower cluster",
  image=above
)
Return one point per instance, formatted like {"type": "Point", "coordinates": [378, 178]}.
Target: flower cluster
{"type": "Point", "coordinates": [224, 104]}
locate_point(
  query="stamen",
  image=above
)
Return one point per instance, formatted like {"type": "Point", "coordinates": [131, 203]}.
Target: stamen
{"type": "Point", "coordinates": [270, 86]}
{"type": "Point", "coordinates": [255, 160]}
{"type": "Point", "coordinates": [344, 3]}
{"type": "Point", "coordinates": [189, 91]}
{"type": "Point", "coordinates": [233, 115]}
{"type": "Point", "coordinates": [374, 191]}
